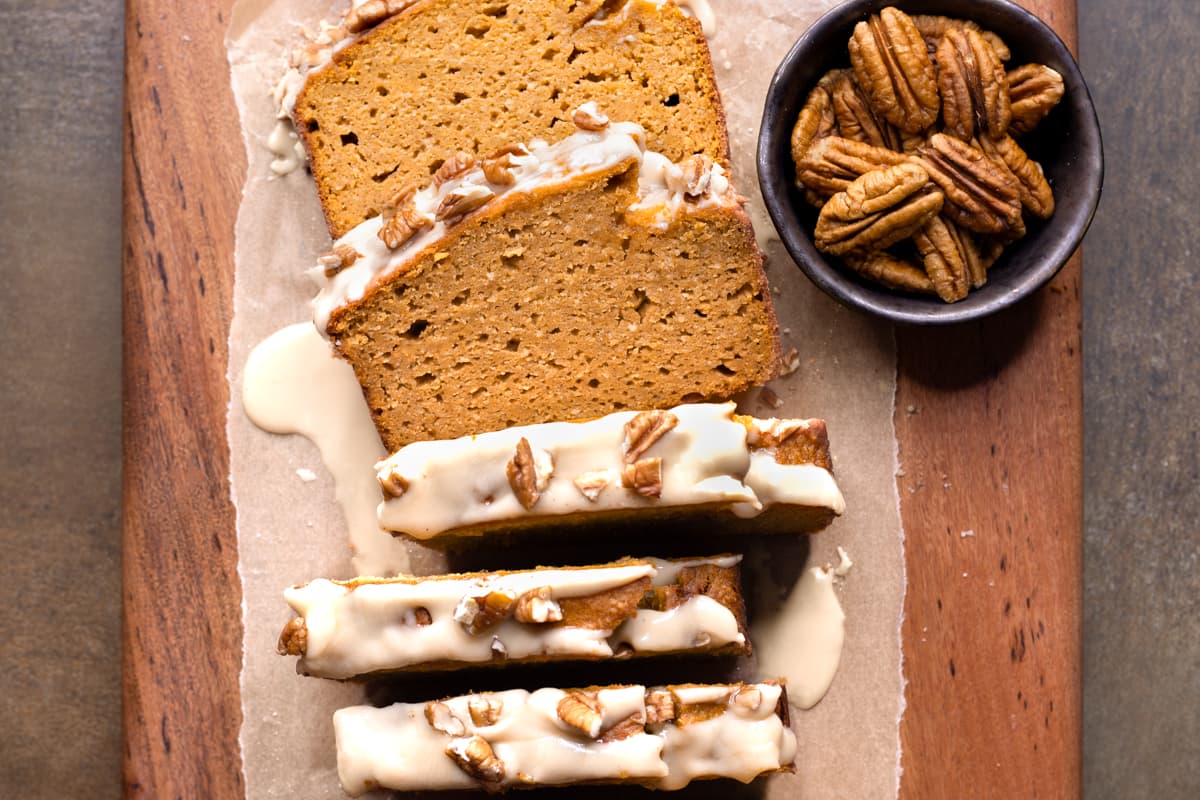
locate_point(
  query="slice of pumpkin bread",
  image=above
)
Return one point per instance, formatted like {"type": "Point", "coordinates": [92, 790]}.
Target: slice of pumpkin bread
{"type": "Point", "coordinates": [554, 282]}
{"type": "Point", "coordinates": [443, 76]}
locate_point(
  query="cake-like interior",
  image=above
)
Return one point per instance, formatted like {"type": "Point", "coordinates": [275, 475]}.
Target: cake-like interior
{"type": "Point", "coordinates": [446, 75]}
{"type": "Point", "coordinates": [662, 737]}
{"type": "Point", "coordinates": [700, 456]}
{"type": "Point", "coordinates": [633, 607]}
{"type": "Point", "coordinates": [583, 278]}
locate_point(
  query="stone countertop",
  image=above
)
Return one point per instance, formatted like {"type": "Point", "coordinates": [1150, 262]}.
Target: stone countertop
{"type": "Point", "coordinates": [60, 167]}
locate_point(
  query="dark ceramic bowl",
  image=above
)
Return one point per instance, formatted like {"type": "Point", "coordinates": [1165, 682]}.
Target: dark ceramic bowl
{"type": "Point", "coordinates": [1066, 143]}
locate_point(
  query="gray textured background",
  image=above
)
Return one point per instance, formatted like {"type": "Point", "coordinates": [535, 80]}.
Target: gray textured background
{"type": "Point", "coordinates": [60, 184]}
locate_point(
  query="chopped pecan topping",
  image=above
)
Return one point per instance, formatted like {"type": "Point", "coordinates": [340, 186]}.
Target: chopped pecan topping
{"type": "Point", "coordinates": [476, 758]}
{"type": "Point", "coordinates": [463, 200]}
{"type": "Point", "coordinates": [441, 718]}
{"type": "Point", "coordinates": [529, 473]}
{"type": "Point", "coordinates": [697, 174]}
{"type": "Point", "coordinates": [373, 12]}
{"type": "Point", "coordinates": [630, 726]}
{"type": "Point", "coordinates": [973, 84]}
{"type": "Point", "coordinates": [877, 210]}
{"type": "Point", "coordinates": [771, 433]}
{"type": "Point", "coordinates": [643, 430]}
{"type": "Point", "coordinates": [946, 252]}
{"type": "Point", "coordinates": [1033, 90]}
{"type": "Point", "coordinates": [485, 709]}
{"type": "Point", "coordinates": [981, 195]}
{"type": "Point", "coordinates": [401, 225]}
{"type": "Point", "coordinates": [582, 711]}
{"type": "Point", "coordinates": [768, 398]}
{"type": "Point", "coordinates": [478, 613]}
{"type": "Point", "coordinates": [498, 167]}
{"type": "Point", "coordinates": [1035, 192]}
{"type": "Point", "coordinates": [293, 641]}
{"type": "Point", "coordinates": [895, 273]}
{"type": "Point", "coordinates": [589, 118]}
{"type": "Point", "coordinates": [660, 706]}
{"type": "Point", "coordinates": [393, 484]}
{"type": "Point", "coordinates": [856, 119]}
{"type": "Point", "coordinates": [748, 697]}
{"type": "Point", "coordinates": [816, 120]}
{"type": "Point", "coordinates": [453, 167]}
{"type": "Point", "coordinates": [341, 257]}
{"type": "Point", "coordinates": [537, 606]}
{"type": "Point", "coordinates": [789, 363]}
{"type": "Point", "coordinates": [422, 616]}
{"type": "Point", "coordinates": [894, 70]}
{"type": "Point", "coordinates": [643, 476]}
{"type": "Point", "coordinates": [590, 484]}
{"type": "Point", "coordinates": [834, 162]}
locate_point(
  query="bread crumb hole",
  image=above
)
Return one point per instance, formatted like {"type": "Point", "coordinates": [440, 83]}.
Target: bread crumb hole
{"type": "Point", "coordinates": [513, 345]}
{"type": "Point", "coordinates": [593, 383]}
{"type": "Point", "coordinates": [671, 101]}
{"type": "Point", "coordinates": [416, 329]}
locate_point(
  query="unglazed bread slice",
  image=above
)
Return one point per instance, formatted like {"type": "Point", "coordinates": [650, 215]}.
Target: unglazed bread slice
{"type": "Point", "coordinates": [660, 737]}
{"type": "Point", "coordinates": [769, 475]}
{"type": "Point", "coordinates": [595, 276]}
{"type": "Point", "coordinates": [448, 75]}
{"type": "Point", "coordinates": [633, 607]}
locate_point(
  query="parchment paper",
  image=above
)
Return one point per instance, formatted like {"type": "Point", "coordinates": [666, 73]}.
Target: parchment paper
{"type": "Point", "coordinates": [290, 530]}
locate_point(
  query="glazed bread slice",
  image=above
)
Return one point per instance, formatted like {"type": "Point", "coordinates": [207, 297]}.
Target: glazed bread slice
{"type": "Point", "coordinates": [659, 737]}
{"type": "Point", "coordinates": [450, 75]}
{"type": "Point", "coordinates": [633, 607]}
{"type": "Point", "coordinates": [696, 462]}
{"type": "Point", "coordinates": [597, 277]}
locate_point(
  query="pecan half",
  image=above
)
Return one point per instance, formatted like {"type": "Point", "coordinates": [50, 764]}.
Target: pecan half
{"type": "Point", "coordinates": [401, 225]}
{"type": "Point", "coordinates": [498, 167]}
{"type": "Point", "coordinates": [643, 430]}
{"type": "Point", "coordinates": [1036, 194]}
{"type": "Point", "coordinates": [478, 613]}
{"type": "Point", "coordinates": [877, 210]}
{"type": "Point", "coordinates": [630, 726]}
{"type": "Point", "coordinates": [892, 272]}
{"type": "Point", "coordinates": [537, 606]}
{"type": "Point", "coordinates": [441, 718]}
{"type": "Point", "coordinates": [644, 477]}
{"type": "Point", "coordinates": [393, 484]}
{"type": "Point", "coordinates": [529, 473]}
{"type": "Point", "coordinates": [582, 711]}
{"type": "Point", "coordinates": [485, 709]}
{"type": "Point", "coordinates": [463, 200]}
{"type": "Point", "coordinates": [341, 257]}
{"type": "Point", "coordinates": [816, 119]}
{"type": "Point", "coordinates": [981, 195]}
{"type": "Point", "coordinates": [973, 84]}
{"type": "Point", "coordinates": [476, 758]}
{"type": "Point", "coordinates": [1033, 90]}
{"type": "Point", "coordinates": [946, 252]}
{"type": "Point", "coordinates": [453, 167]}
{"type": "Point", "coordinates": [293, 641]}
{"type": "Point", "coordinates": [589, 118]}
{"type": "Point", "coordinates": [856, 119]}
{"type": "Point", "coordinates": [660, 706]}
{"type": "Point", "coordinates": [834, 162]}
{"type": "Point", "coordinates": [933, 27]}
{"type": "Point", "coordinates": [894, 70]}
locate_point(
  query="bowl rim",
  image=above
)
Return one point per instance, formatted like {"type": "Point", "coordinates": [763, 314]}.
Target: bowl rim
{"type": "Point", "coordinates": [776, 185]}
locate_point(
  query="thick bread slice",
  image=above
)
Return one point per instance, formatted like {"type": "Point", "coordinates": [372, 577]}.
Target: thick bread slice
{"type": "Point", "coordinates": [453, 75]}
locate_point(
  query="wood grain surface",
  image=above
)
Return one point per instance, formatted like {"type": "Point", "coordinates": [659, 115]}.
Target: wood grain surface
{"type": "Point", "coordinates": [988, 420]}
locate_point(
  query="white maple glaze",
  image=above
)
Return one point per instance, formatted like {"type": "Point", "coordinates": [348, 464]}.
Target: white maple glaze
{"type": "Point", "coordinates": [456, 483]}
{"type": "Point", "coordinates": [396, 748]}
{"type": "Point", "coordinates": [358, 629]}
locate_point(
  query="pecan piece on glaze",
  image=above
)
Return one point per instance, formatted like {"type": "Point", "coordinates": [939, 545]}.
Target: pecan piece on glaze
{"type": "Point", "coordinates": [816, 119]}
{"type": "Point", "coordinates": [630, 726]}
{"type": "Point", "coordinates": [401, 225]}
{"type": "Point", "coordinates": [933, 27]}
{"type": "Point", "coordinates": [974, 86]}
{"type": "Point", "coordinates": [981, 195]}
{"type": "Point", "coordinates": [528, 474]}
{"type": "Point", "coordinates": [834, 162]}
{"type": "Point", "coordinates": [590, 484]}
{"type": "Point", "coordinates": [856, 119]}
{"type": "Point", "coordinates": [877, 210]}
{"type": "Point", "coordinates": [485, 709]}
{"type": "Point", "coordinates": [373, 12]}
{"type": "Point", "coordinates": [441, 718]}
{"type": "Point", "coordinates": [892, 272]}
{"type": "Point", "coordinates": [945, 253]}
{"type": "Point", "coordinates": [293, 641]}
{"type": "Point", "coordinates": [393, 484]}
{"type": "Point", "coordinates": [478, 613]}
{"type": "Point", "coordinates": [894, 70]}
{"type": "Point", "coordinates": [537, 606]}
{"type": "Point", "coordinates": [660, 706]}
{"type": "Point", "coordinates": [453, 167]}
{"type": "Point", "coordinates": [463, 200]}
{"type": "Point", "coordinates": [498, 167]}
{"type": "Point", "coordinates": [582, 711]}
{"type": "Point", "coordinates": [588, 117]}
{"type": "Point", "coordinates": [696, 175]}
{"type": "Point", "coordinates": [644, 476]}
{"type": "Point", "coordinates": [643, 430]}
{"type": "Point", "coordinates": [1036, 195]}
{"type": "Point", "coordinates": [341, 257]}
{"type": "Point", "coordinates": [1033, 90]}
{"type": "Point", "coordinates": [476, 758]}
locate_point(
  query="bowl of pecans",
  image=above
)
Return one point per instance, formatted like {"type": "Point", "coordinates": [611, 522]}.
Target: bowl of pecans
{"type": "Point", "coordinates": [930, 161]}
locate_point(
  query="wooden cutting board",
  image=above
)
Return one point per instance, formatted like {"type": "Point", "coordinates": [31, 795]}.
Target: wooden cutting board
{"type": "Point", "coordinates": [988, 416]}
